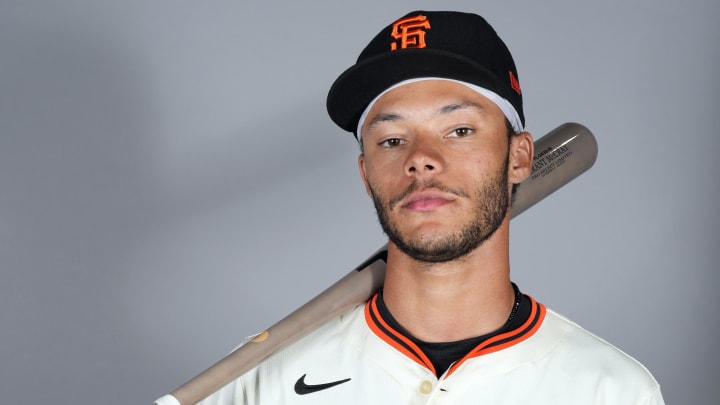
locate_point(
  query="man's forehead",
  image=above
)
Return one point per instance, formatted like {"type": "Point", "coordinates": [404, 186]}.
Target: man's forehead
{"type": "Point", "coordinates": [387, 113]}
{"type": "Point", "coordinates": [430, 99]}
{"type": "Point", "coordinates": [443, 90]}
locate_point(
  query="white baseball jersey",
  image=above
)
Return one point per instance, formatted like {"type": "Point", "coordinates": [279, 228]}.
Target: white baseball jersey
{"type": "Point", "coordinates": [359, 359]}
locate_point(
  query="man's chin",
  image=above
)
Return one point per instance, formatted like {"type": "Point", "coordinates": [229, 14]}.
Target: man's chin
{"type": "Point", "coordinates": [433, 251]}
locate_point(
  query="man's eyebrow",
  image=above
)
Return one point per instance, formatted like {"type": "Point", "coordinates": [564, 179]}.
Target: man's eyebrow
{"type": "Point", "coordinates": [384, 117]}
{"type": "Point", "coordinates": [468, 105]}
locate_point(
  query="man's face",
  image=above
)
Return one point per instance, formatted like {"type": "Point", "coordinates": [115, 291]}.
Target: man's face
{"type": "Point", "coordinates": [435, 163]}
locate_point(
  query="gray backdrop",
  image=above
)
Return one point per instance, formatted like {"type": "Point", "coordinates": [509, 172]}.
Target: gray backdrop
{"type": "Point", "coordinates": [170, 181]}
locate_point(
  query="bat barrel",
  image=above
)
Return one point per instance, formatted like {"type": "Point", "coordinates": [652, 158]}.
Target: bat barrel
{"type": "Point", "coordinates": [560, 156]}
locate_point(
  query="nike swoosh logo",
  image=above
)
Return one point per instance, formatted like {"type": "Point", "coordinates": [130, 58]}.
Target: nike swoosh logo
{"type": "Point", "coordinates": [301, 388]}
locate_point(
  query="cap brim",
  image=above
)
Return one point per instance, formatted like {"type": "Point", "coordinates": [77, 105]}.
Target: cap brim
{"type": "Point", "coordinates": [355, 88]}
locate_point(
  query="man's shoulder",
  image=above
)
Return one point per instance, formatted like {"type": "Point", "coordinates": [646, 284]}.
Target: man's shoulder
{"type": "Point", "coordinates": [276, 375]}
{"type": "Point", "coordinates": [577, 337]}
{"type": "Point", "coordinates": [586, 351]}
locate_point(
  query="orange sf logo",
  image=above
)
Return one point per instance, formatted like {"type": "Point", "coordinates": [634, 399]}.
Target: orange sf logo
{"type": "Point", "coordinates": [410, 32]}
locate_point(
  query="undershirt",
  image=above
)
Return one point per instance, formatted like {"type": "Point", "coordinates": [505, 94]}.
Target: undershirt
{"type": "Point", "coordinates": [443, 354]}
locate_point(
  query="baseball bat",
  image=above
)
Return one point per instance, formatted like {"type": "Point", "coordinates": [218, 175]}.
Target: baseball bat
{"type": "Point", "coordinates": [559, 157]}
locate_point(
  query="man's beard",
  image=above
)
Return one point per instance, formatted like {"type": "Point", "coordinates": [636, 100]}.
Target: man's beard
{"type": "Point", "coordinates": [489, 212]}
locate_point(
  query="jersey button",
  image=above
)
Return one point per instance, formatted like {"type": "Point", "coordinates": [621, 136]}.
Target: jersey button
{"type": "Point", "coordinates": [426, 387]}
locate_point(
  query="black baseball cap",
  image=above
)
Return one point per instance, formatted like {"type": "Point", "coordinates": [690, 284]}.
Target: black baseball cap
{"type": "Point", "coordinates": [442, 44]}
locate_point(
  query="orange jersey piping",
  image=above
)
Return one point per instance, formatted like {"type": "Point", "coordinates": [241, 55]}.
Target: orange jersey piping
{"type": "Point", "coordinates": [392, 337]}
{"type": "Point", "coordinates": [499, 342]}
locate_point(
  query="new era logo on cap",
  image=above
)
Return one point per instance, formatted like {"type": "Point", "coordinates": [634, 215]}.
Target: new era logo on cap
{"type": "Point", "coordinates": [514, 83]}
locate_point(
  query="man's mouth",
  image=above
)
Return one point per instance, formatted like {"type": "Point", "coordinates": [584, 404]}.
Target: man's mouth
{"type": "Point", "coordinates": [428, 200]}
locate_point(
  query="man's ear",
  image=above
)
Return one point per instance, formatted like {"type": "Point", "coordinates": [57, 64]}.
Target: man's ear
{"type": "Point", "coordinates": [363, 174]}
{"type": "Point", "coordinates": [521, 157]}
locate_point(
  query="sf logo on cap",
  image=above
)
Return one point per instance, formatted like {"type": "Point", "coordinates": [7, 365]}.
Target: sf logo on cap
{"type": "Point", "coordinates": [410, 32]}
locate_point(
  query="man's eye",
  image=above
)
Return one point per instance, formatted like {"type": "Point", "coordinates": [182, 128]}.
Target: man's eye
{"type": "Point", "coordinates": [391, 143]}
{"type": "Point", "coordinates": [461, 132]}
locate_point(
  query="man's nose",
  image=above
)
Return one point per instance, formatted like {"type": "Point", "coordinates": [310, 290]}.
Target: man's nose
{"type": "Point", "coordinates": [424, 158]}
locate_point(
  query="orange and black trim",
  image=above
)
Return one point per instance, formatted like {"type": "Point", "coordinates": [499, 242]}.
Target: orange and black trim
{"type": "Point", "coordinates": [400, 342]}
{"type": "Point", "coordinates": [406, 346]}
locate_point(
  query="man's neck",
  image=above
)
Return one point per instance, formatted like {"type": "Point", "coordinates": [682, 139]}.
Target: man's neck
{"type": "Point", "coordinates": [450, 301]}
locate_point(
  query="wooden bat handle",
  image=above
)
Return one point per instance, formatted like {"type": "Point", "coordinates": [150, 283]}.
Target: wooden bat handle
{"type": "Point", "coordinates": [560, 156]}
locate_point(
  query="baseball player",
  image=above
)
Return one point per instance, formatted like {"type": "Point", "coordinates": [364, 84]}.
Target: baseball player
{"type": "Point", "coordinates": [436, 104]}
